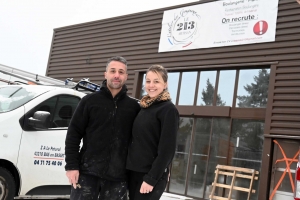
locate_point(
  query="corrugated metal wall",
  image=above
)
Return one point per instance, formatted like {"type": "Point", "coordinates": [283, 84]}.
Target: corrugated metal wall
{"type": "Point", "coordinates": [81, 51]}
{"type": "Point", "coordinates": [284, 113]}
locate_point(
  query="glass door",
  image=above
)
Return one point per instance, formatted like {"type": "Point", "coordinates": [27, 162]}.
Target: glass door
{"type": "Point", "coordinates": [246, 146]}
{"type": "Point", "coordinates": [199, 157]}
{"type": "Point", "coordinates": [180, 161]}
{"type": "Point", "coordinates": [202, 143]}
{"type": "Point", "coordinates": [219, 151]}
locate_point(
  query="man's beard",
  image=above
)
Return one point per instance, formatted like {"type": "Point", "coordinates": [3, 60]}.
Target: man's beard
{"type": "Point", "coordinates": [115, 86]}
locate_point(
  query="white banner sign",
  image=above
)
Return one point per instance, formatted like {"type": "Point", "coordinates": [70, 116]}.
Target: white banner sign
{"type": "Point", "coordinates": [220, 23]}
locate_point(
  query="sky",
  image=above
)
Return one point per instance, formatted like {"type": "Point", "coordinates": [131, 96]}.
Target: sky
{"type": "Point", "coordinates": [26, 26]}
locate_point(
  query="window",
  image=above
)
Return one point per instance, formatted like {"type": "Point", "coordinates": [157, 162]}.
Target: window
{"type": "Point", "coordinates": [173, 79]}
{"type": "Point", "coordinates": [205, 142]}
{"type": "Point", "coordinates": [180, 161]}
{"type": "Point", "coordinates": [246, 144]}
{"type": "Point", "coordinates": [206, 88]}
{"type": "Point", "coordinates": [12, 97]}
{"type": "Point", "coordinates": [199, 157]}
{"type": "Point", "coordinates": [61, 109]}
{"type": "Point", "coordinates": [65, 108]}
{"type": "Point", "coordinates": [240, 88]}
{"type": "Point", "coordinates": [187, 89]}
{"type": "Point", "coordinates": [253, 88]}
{"type": "Point", "coordinates": [226, 87]}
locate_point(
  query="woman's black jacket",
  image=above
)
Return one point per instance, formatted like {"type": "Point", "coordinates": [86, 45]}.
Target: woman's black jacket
{"type": "Point", "coordinates": [153, 143]}
{"type": "Point", "coordinates": [104, 125]}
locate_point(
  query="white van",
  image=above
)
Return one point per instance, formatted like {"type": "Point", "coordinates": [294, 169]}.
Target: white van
{"type": "Point", "coordinates": [33, 126]}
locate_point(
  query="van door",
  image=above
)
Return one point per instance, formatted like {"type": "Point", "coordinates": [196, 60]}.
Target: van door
{"type": "Point", "coordinates": [41, 157]}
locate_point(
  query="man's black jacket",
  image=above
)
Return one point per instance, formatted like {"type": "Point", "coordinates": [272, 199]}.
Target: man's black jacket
{"type": "Point", "coordinates": [105, 124]}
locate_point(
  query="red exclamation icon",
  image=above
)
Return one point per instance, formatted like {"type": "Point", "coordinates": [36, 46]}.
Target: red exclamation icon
{"type": "Point", "coordinates": [260, 23]}
{"type": "Point", "coordinates": [260, 27]}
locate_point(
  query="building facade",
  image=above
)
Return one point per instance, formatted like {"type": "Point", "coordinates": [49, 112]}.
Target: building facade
{"type": "Point", "coordinates": [239, 105]}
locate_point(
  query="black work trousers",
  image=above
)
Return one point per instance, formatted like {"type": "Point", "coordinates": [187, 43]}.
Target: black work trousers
{"type": "Point", "coordinates": [134, 184]}
{"type": "Point", "coordinates": [92, 187]}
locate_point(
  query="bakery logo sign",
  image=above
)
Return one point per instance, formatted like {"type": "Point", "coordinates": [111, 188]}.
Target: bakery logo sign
{"type": "Point", "coordinates": [184, 28]}
{"type": "Point", "coordinates": [218, 24]}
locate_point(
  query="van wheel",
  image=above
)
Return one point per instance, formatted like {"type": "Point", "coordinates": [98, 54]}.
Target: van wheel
{"type": "Point", "coordinates": [7, 185]}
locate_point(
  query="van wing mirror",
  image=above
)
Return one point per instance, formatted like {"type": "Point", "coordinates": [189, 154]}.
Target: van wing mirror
{"type": "Point", "coordinates": [40, 120]}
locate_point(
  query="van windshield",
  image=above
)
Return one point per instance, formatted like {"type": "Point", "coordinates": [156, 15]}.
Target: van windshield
{"type": "Point", "coordinates": [12, 97]}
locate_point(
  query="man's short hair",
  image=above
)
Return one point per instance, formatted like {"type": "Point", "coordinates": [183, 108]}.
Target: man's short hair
{"type": "Point", "coordinates": [117, 58]}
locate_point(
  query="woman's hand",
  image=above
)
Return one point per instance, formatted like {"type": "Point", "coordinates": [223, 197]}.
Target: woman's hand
{"type": "Point", "coordinates": [146, 188]}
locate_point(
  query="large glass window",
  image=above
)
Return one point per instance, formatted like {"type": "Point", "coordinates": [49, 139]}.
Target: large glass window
{"type": "Point", "coordinates": [199, 157]}
{"type": "Point", "coordinates": [187, 89]}
{"type": "Point", "coordinates": [173, 79]}
{"type": "Point", "coordinates": [246, 145]}
{"type": "Point", "coordinates": [193, 170]}
{"type": "Point", "coordinates": [226, 88]}
{"type": "Point", "coordinates": [253, 88]}
{"type": "Point", "coordinates": [206, 88]}
{"type": "Point", "coordinates": [180, 161]}
{"type": "Point", "coordinates": [250, 91]}
{"type": "Point", "coordinates": [219, 148]}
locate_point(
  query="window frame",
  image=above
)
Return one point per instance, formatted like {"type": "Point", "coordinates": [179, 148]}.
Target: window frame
{"type": "Point", "coordinates": [209, 111]}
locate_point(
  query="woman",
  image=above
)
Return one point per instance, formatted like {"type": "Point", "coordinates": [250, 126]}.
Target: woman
{"type": "Point", "coordinates": [153, 139]}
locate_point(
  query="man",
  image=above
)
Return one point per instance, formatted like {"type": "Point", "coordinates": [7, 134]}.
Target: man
{"type": "Point", "coordinates": [103, 121]}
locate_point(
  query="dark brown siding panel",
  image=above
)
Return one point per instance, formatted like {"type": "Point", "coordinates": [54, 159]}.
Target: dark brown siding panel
{"type": "Point", "coordinates": [81, 51]}
{"type": "Point", "coordinates": [285, 118]}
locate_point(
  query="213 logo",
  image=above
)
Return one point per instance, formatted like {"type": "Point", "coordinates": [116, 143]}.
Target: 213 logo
{"type": "Point", "coordinates": [184, 29]}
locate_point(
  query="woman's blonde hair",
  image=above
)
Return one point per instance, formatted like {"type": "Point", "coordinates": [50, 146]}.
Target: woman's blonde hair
{"type": "Point", "coordinates": [159, 69]}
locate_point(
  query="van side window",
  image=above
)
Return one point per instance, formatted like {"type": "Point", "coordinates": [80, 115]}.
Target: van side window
{"type": "Point", "coordinates": [64, 111]}
{"type": "Point", "coordinates": [61, 109]}
{"type": "Point", "coordinates": [48, 106]}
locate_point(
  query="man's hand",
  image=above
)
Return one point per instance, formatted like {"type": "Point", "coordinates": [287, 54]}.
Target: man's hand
{"type": "Point", "coordinates": [73, 176]}
{"type": "Point", "coordinates": [146, 188]}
